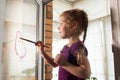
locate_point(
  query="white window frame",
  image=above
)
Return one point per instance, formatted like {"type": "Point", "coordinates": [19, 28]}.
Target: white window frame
{"type": "Point", "coordinates": [2, 8]}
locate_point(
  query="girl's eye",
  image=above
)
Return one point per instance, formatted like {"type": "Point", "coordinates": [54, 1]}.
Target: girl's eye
{"type": "Point", "coordinates": [61, 23]}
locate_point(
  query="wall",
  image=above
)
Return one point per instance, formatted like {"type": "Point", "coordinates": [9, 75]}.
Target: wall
{"type": "Point", "coordinates": [58, 8]}
{"type": "Point", "coordinates": [48, 39]}
{"type": "Point", "coordinates": [95, 9]}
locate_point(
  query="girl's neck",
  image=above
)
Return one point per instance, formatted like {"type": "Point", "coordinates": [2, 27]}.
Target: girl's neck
{"type": "Point", "coordinates": [73, 40]}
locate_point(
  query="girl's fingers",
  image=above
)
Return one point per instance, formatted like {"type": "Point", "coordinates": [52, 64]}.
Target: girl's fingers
{"type": "Point", "coordinates": [39, 43]}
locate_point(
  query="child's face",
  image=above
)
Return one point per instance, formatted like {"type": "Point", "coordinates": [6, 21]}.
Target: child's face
{"type": "Point", "coordinates": [63, 28]}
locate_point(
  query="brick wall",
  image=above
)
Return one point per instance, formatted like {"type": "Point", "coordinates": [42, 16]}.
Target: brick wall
{"type": "Point", "coordinates": [48, 39]}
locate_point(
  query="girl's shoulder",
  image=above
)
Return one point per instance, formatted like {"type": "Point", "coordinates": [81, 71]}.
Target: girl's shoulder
{"type": "Point", "coordinates": [77, 47]}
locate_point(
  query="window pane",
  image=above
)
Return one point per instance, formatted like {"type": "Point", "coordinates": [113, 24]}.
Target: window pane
{"type": "Point", "coordinates": [19, 56]}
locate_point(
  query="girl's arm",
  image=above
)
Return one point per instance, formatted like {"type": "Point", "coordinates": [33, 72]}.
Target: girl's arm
{"type": "Point", "coordinates": [82, 71]}
{"type": "Point", "coordinates": [44, 55]}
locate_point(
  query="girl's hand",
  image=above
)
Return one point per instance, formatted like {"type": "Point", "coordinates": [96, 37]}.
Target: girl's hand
{"type": "Point", "coordinates": [40, 45]}
{"type": "Point", "coordinates": [60, 60]}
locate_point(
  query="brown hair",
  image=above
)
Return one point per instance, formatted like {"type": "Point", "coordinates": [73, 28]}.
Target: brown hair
{"type": "Point", "coordinates": [80, 17]}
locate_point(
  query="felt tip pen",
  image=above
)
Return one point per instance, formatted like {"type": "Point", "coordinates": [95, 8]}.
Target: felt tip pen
{"type": "Point", "coordinates": [32, 42]}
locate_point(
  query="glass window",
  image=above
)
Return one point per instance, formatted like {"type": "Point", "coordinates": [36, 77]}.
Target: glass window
{"type": "Point", "coordinates": [19, 55]}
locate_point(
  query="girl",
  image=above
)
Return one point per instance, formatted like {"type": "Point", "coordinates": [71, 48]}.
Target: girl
{"type": "Point", "coordinates": [72, 60]}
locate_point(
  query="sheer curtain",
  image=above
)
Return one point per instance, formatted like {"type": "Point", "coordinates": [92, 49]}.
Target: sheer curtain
{"type": "Point", "coordinates": [99, 44]}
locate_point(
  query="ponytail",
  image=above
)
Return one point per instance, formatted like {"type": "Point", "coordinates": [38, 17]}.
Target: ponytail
{"type": "Point", "coordinates": [84, 36]}
{"type": "Point", "coordinates": [84, 24]}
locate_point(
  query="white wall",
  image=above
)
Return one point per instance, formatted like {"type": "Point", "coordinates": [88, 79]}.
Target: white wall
{"type": "Point", "coordinates": [95, 8]}
{"type": "Point", "coordinates": [58, 7]}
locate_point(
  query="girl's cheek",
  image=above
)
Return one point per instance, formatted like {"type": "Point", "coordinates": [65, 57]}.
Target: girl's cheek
{"type": "Point", "coordinates": [58, 27]}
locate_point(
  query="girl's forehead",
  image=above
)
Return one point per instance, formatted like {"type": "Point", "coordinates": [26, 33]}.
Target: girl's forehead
{"type": "Point", "coordinates": [62, 18]}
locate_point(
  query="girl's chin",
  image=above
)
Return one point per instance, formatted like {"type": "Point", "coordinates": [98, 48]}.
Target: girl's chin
{"type": "Point", "coordinates": [63, 37]}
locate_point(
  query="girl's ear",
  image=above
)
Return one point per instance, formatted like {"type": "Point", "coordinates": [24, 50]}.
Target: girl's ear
{"type": "Point", "coordinates": [75, 25]}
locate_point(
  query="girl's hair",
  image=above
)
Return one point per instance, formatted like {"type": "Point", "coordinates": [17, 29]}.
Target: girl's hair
{"type": "Point", "coordinates": [80, 16]}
